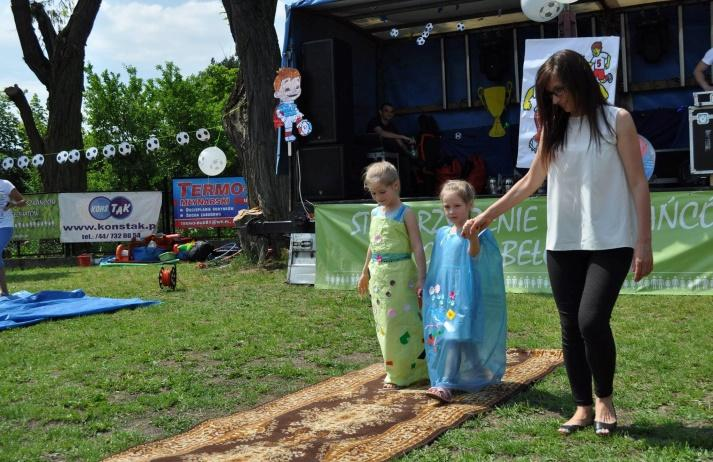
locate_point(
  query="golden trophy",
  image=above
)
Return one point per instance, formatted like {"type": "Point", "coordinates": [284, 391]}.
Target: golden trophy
{"type": "Point", "coordinates": [494, 100]}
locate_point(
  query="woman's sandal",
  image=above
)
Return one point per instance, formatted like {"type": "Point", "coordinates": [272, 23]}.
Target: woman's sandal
{"type": "Point", "coordinates": [442, 394]}
{"type": "Point", "coordinates": [568, 429]}
{"type": "Point", "coordinates": [604, 428]}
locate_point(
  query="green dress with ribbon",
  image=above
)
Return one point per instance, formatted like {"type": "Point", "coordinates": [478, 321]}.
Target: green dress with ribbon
{"type": "Point", "coordinates": [392, 283]}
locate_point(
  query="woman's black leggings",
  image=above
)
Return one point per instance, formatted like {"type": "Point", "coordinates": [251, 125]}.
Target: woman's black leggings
{"type": "Point", "coordinates": [585, 285]}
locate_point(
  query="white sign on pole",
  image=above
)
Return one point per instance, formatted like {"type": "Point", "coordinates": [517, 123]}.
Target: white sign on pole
{"type": "Point", "coordinates": [602, 53]}
{"type": "Point", "coordinates": [108, 216]}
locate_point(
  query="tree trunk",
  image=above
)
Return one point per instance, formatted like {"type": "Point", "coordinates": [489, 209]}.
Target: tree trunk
{"type": "Point", "coordinates": [248, 113]}
{"type": "Point", "coordinates": [62, 73]}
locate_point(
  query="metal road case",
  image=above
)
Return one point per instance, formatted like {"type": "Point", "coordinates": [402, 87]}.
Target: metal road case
{"type": "Point", "coordinates": [302, 265]}
{"type": "Point", "coordinates": [700, 123]}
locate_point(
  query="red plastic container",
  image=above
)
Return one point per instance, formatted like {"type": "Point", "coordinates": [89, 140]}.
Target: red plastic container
{"type": "Point", "coordinates": [84, 259]}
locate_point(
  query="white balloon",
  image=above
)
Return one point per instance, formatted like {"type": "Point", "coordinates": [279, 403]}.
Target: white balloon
{"type": "Point", "coordinates": [152, 143]}
{"type": "Point", "coordinates": [541, 10]}
{"type": "Point", "coordinates": [394, 32]}
{"type": "Point", "coordinates": [62, 157]}
{"type": "Point", "coordinates": [8, 163]}
{"type": "Point", "coordinates": [182, 138]}
{"type": "Point", "coordinates": [109, 151]}
{"type": "Point", "coordinates": [73, 156]}
{"type": "Point", "coordinates": [203, 134]}
{"type": "Point", "coordinates": [91, 153]}
{"type": "Point", "coordinates": [212, 161]}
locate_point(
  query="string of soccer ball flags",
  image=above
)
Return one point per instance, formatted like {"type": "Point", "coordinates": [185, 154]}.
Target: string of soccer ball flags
{"type": "Point", "coordinates": [536, 10]}
{"type": "Point", "coordinates": [123, 148]}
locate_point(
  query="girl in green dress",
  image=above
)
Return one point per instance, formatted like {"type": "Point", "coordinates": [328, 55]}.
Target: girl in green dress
{"type": "Point", "coordinates": [393, 280]}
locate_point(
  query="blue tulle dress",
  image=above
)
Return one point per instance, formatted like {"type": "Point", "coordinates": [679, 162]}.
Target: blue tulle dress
{"type": "Point", "coordinates": [464, 313]}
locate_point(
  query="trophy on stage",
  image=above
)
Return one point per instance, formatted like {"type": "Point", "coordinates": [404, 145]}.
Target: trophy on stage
{"type": "Point", "coordinates": [494, 100]}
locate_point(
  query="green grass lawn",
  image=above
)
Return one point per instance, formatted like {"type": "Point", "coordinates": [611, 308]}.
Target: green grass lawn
{"type": "Point", "coordinates": [231, 338]}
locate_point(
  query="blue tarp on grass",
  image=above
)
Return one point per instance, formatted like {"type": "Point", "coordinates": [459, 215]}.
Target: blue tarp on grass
{"type": "Point", "coordinates": [25, 308]}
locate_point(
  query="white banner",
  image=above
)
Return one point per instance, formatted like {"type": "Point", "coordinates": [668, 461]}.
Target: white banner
{"type": "Point", "coordinates": [108, 216]}
{"type": "Point", "coordinates": [602, 53]}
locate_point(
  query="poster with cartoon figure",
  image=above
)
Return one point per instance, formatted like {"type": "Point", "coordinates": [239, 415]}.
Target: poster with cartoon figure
{"type": "Point", "coordinates": [288, 88]}
{"type": "Point", "coordinates": [602, 53]}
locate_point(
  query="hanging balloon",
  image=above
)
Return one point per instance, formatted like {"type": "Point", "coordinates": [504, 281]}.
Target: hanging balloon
{"type": "Point", "coordinates": [394, 32]}
{"type": "Point", "coordinates": [124, 148]}
{"type": "Point", "coordinates": [182, 138]}
{"type": "Point", "coordinates": [109, 151]}
{"type": "Point", "coordinates": [152, 144]}
{"type": "Point", "coordinates": [460, 27]}
{"type": "Point", "coordinates": [541, 10]}
{"type": "Point", "coordinates": [23, 161]}
{"type": "Point", "coordinates": [648, 156]}
{"type": "Point", "coordinates": [8, 163]}
{"type": "Point", "coordinates": [203, 134]}
{"type": "Point", "coordinates": [91, 153]}
{"type": "Point", "coordinates": [62, 157]}
{"type": "Point", "coordinates": [420, 41]}
{"type": "Point", "coordinates": [212, 161]}
{"type": "Point", "coordinates": [38, 160]}
{"type": "Point", "coordinates": [73, 156]}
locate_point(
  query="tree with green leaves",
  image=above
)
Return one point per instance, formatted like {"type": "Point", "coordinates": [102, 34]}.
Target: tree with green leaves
{"type": "Point", "coordinates": [248, 114]}
{"type": "Point", "coordinates": [133, 109]}
{"type": "Point", "coordinates": [56, 57]}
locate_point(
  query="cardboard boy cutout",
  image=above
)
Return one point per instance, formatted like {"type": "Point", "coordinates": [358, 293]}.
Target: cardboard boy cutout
{"type": "Point", "coordinates": [287, 90]}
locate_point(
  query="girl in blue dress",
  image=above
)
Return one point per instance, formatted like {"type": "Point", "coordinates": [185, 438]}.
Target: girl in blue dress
{"type": "Point", "coordinates": [464, 315]}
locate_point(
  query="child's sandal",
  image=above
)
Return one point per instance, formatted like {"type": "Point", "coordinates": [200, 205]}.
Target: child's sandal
{"type": "Point", "coordinates": [444, 395]}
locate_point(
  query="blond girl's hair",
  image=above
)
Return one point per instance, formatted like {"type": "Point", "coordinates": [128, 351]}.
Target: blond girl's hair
{"type": "Point", "coordinates": [464, 190]}
{"type": "Point", "coordinates": [383, 173]}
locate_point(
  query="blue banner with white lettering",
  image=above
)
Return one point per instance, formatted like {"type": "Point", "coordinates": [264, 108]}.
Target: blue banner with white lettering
{"type": "Point", "coordinates": [208, 202]}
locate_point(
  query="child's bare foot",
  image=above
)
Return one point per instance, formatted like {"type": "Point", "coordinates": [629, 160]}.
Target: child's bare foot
{"type": "Point", "coordinates": [390, 386]}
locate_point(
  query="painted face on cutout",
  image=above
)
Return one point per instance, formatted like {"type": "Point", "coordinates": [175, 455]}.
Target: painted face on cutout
{"type": "Point", "coordinates": [290, 90]}
{"type": "Point", "coordinates": [455, 208]}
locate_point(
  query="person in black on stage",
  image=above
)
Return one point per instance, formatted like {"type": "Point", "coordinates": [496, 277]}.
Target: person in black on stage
{"type": "Point", "coordinates": [393, 141]}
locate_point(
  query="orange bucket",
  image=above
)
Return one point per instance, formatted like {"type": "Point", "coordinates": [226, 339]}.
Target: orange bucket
{"type": "Point", "coordinates": [85, 259]}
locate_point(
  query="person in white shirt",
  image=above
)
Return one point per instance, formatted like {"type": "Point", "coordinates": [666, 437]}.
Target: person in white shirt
{"type": "Point", "coordinates": [701, 68]}
{"type": "Point", "coordinates": [9, 197]}
{"type": "Point", "coordinates": [598, 223]}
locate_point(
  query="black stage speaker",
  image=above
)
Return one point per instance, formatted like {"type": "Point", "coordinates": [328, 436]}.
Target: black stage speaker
{"type": "Point", "coordinates": [700, 121]}
{"type": "Point", "coordinates": [327, 99]}
{"type": "Point", "coordinates": [321, 169]}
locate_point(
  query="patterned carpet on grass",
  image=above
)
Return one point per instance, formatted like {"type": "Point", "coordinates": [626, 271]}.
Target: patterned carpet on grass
{"type": "Point", "coordinates": [347, 418]}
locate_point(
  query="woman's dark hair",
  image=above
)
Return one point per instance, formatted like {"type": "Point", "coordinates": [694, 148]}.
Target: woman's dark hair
{"type": "Point", "coordinates": [575, 74]}
{"type": "Point", "coordinates": [427, 124]}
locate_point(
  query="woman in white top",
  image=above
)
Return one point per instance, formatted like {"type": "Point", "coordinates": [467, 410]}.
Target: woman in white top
{"type": "Point", "coordinates": [9, 197]}
{"type": "Point", "coordinates": [598, 221]}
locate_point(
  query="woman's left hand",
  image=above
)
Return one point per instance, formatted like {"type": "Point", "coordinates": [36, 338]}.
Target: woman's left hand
{"type": "Point", "coordinates": [643, 262]}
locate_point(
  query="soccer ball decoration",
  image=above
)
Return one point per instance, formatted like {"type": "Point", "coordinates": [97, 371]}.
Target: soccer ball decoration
{"type": "Point", "coordinates": [421, 41]}
{"type": "Point", "coordinates": [394, 32]}
{"type": "Point", "coordinates": [109, 151]}
{"type": "Point", "coordinates": [62, 157]}
{"type": "Point", "coordinates": [8, 163]}
{"type": "Point", "coordinates": [429, 27]}
{"type": "Point", "coordinates": [91, 153]}
{"type": "Point", "coordinates": [152, 144]}
{"type": "Point", "coordinates": [182, 138]}
{"type": "Point", "coordinates": [73, 156]}
{"type": "Point", "coordinates": [541, 10]}
{"type": "Point", "coordinates": [304, 128]}
{"type": "Point", "coordinates": [460, 27]}
{"type": "Point", "coordinates": [23, 161]}
{"type": "Point", "coordinates": [124, 148]}
{"type": "Point", "coordinates": [212, 161]}
{"type": "Point", "coordinates": [458, 136]}
{"type": "Point", "coordinates": [38, 160]}
{"type": "Point", "coordinates": [203, 134]}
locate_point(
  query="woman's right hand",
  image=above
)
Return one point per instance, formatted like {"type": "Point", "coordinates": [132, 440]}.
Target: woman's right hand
{"type": "Point", "coordinates": [475, 225]}
{"type": "Point", "coordinates": [363, 284]}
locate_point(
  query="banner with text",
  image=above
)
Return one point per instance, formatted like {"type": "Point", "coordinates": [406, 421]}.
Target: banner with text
{"type": "Point", "coordinates": [208, 202]}
{"type": "Point", "coordinates": [682, 226]}
{"type": "Point", "coordinates": [602, 54]}
{"type": "Point", "coordinates": [108, 216]}
{"type": "Point", "coordinates": [38, 220]}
